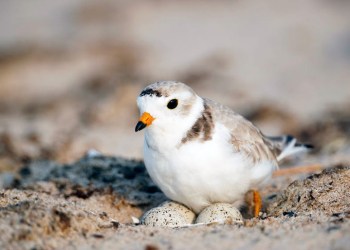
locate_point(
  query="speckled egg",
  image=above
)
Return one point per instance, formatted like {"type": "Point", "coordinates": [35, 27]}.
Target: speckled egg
{"type": "Point", "coordinates": [221, 213]}
{"type": "Point", "coordinates": [168, 214]}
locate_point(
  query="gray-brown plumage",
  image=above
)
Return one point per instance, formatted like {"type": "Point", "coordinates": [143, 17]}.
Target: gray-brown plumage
{"type": "Point", "coordinates": [202, 128]}
{"type": "Point", "coordinates": [245, 137]}
{"type": "Point", "coordinates": [248, 139]}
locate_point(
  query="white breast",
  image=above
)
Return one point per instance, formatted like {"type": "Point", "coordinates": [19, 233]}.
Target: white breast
{"type": "Point", "coordinates": [198, 173]}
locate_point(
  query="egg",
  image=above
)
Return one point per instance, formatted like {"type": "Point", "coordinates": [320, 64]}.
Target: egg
{"type": "Point", "coordinates": [168, 214]}
{"type": "Point", "coordinates": [221, 213]}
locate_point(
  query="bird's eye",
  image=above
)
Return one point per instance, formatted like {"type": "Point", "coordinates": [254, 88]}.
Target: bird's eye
{"type": "Point", "coordinates": [172, 104]}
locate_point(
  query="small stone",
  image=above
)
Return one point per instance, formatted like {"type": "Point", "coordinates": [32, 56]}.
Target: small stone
{"type": "Point", "coordinates": [221, 213]}
{"type": "Point", "coordinates": [168, 214]}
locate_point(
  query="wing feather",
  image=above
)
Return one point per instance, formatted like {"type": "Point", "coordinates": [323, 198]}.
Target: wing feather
{"type": "Point", "coordinates": [245, 137]}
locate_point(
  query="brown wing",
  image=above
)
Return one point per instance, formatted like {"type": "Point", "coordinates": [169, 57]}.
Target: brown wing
{"type": "Point", "coordinates": [245, 137]}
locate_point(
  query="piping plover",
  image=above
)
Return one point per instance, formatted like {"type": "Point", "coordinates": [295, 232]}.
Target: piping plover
{"type": "Point", "coordinates": [200, 152]}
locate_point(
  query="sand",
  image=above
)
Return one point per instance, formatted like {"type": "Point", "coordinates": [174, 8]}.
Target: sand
{"type": "Point", "coordinates": [90, 204]}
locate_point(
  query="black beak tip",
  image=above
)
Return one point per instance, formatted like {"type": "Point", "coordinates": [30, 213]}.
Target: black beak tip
{"type": "Point", "coordinates": [139, 126]}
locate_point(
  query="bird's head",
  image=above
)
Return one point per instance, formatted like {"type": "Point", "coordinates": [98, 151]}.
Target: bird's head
{"type": "Point", "coordinates": [167, 106]}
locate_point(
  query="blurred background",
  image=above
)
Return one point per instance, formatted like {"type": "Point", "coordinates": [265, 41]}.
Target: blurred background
{"type": "Point", "coordinates": [70, 70]}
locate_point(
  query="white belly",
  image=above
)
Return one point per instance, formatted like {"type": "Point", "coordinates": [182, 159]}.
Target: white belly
{"type": "Point", "coordinates": [198, 174]}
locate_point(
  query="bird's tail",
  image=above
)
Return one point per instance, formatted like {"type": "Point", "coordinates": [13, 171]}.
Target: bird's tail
{"type": "Point", "coordinates": [286, 145]}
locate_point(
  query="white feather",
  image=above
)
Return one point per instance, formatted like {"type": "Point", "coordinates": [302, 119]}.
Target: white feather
{"type": "Point", "coordinates": [291, 149]}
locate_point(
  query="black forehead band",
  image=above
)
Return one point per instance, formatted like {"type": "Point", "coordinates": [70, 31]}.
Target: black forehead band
{"type": "Point", "coordinates": [150, 92]}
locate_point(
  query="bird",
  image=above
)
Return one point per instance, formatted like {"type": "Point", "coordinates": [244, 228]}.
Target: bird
{"type": "Point", "coordinates": [200, 152]}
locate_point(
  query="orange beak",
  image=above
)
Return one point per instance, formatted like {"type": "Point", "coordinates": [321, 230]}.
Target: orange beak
{"type": "Point", "coordinates": [145, 120]}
